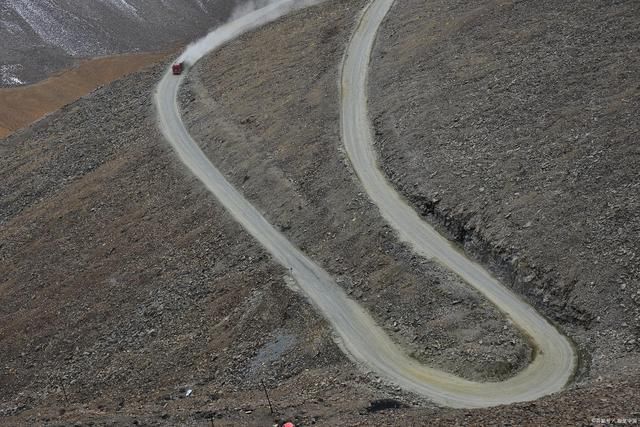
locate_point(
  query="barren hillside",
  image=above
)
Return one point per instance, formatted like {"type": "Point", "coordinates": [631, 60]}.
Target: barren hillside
{"type": "Point", "coordinates": [23, 105]}
{"type": "Point", "coordinates": [515, 127]}
{"type": "Point", "coordinates": [124, 285]}
{"type": "Point", "coordinates": [127, 295]}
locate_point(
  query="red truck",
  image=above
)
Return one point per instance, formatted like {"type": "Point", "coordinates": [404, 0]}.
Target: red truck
{"type": "Point", "coordinates": [177, 68]}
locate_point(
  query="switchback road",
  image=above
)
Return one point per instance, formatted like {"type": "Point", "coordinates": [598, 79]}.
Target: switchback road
{"type": "Point", "coordinates": [356, 332]}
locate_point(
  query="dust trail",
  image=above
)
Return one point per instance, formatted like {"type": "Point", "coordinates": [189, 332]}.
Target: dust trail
{"type": "Point", "coordinates": [247, 7]}
{"type": "Point", "coordinates": [242, 20]}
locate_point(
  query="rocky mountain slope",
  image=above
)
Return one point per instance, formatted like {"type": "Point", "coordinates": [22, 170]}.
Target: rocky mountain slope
{"type": "Point", "coordinates": [515, 127]}
{"type": "Point", "coordinates": [124, 285]}
{"type": "Point", "coordinates": [40, 37]}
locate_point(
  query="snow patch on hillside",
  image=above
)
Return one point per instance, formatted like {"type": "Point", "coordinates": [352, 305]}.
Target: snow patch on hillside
{"type": "Point", "coordinates": [124, 6]}
{"type": "Point", "coordinates": [9, 75]}
{"type": "Point", "coordinates": [43, 17]}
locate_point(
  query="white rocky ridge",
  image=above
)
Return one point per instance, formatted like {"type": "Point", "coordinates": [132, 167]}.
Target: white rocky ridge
{"type": "Point", "coordinates": [8, 75]}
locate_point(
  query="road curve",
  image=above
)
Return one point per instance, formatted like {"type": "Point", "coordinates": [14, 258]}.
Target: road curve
{"type": "Point", "coordinates": [356, 332]}
{"type": "Point", "coordinates": [555, 359]}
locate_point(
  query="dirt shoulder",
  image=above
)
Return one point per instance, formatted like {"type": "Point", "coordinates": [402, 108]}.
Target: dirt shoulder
{"type": "Point", "coordinates": [514, 127]}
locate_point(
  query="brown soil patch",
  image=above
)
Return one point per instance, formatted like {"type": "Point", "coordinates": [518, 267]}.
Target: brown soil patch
{"type": "Point", "coordinates": [24, 105]}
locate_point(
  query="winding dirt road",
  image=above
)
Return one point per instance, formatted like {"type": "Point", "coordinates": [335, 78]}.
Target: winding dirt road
{"type": "Point", "coordinates": [555, 358]}
{"type": "Point", "coordinates": [357, 333]}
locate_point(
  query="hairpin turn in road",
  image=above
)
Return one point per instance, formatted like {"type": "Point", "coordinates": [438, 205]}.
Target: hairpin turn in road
{"type": "Point", "coordinates": [357, 333]}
